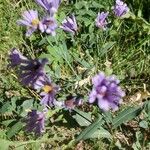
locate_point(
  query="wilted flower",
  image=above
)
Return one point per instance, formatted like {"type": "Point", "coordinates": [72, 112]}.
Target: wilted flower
{"type": "Point", "coordinates": [35, 122]}
{"type": "Point", "coordinates": [106, 92]}
{"type": "Point", "coordinates": [120, 8]}
{"type": "Point", "coordinates": [30, 19]}
{"type": "Point", "coordinates": [71, 102]}
{"type": "Point", "coordinates": [101, 21]}
{"type": "Point", "coordinates": [69, 24]}
{"type": "Point", "coordinates": [48, 25]}
{"type": "Point", "coordinates": [49, 92]}
{"type": "Point", "coordinates": [51, 6]}
{"type": "Point", "coordinates": [30, 71]}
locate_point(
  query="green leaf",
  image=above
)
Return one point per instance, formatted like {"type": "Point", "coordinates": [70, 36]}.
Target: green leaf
{"type": "Point", "coordinates": [108, 117]}
{"type": "Point", "coordinates": [5, 108]}
{"type": "Point", "coordinates": [83, 118]}
{"type": "Point", "coordinates": [27, 105]}
{"type": "Point", "coordinates": [126, 115]}
{"type": "Point", "coordinates": [4, 144]}
{"type": "Point", "coordinates": [97, 5]}
{"type": "Point", "coordinates": [82, 62]}
{"type": "Point", "coordinates": [89, 132]}
{"type": "Point", "coordinates": [143, 124]}
{"type": "Point", "coordinates": [14, 129]}
{"type": "Point", "coordinates": [7, 122]}
{"type": "Point", "coordinates": [106, 47]}
{"type": "Point", "coordinates": [101, 133]}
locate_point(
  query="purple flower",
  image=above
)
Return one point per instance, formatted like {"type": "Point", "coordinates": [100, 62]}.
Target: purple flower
{"type": "Point", "coordinates": [48, 25]}
{"type": "Point", "coordinates": [69, 24]}
{"type": "Point", "coordinates": [49, 92]}
{"type": "Point", "coordinates": [30, 71]}
{"type": "Point", "coordinates": [16, 58]}
{"type": "Point", "coordinates": [35, 122]}
{"type": "Point", "coordinates": [30, 19]}
{"type": "Point", "coordinates": [120, 8]}
{"type": "Point", "coordinates": [101, 21]}
{"type": "Point", "coordinates": [51, 6]}
{"type": "Point", "coordinates": [71, 102]}
{"type": "Point", "coordinates": [106, 92]}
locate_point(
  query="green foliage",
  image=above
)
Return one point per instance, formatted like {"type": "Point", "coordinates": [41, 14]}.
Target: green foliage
{"type": "Point", "coordinates": [125, 45]}
{"type": "Point", "coordinates": [14, 129]}
{"type": "Point", "coordinates": [82, 118]}
{"type": "Point", "coordinates": [94, 130]}
{"type": "Point", "coordinates": [126, 115]}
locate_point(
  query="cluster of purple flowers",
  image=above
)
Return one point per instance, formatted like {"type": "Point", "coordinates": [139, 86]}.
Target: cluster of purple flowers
{"type": "Point", "coordinates": [120, 9]}
{"type": "Point", "coordinates": [31, 73]}
{"type": "Point", "coordinates": [48, 23]}
{"type": "Point", "coordinates": [106, 90]}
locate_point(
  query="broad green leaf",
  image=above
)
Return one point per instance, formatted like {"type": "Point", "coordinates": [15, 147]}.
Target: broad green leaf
{"type": "Point", "coordinates": [126, 115]}
{"type": "Point", "coordinates": [7, 122]}
{"type": "Point", "coordinates": [107, 117]}
{"type": "Point", "coordinates": [4, 144]}
{"type": "Point", "coordinates": [101, 133]}
{"type": "Point", "coordinates": [143, 124]}
{"type": "Point", "coordinates": [90, 130]}
{"type": "Point", "coordinates": [80, 4]}
{"type": "Point", "coordinates": [26, 106]}
{"type": "Point", "coordinates": [83, 118]}
{"type": "Point", "coordinates": [3, 134]}
{"type": "Point", "coordinates": [6, 107]}
{"type": "Point", "coordinates": [97, 5]}
{"type": "Point", "coordinates": [14, 129]}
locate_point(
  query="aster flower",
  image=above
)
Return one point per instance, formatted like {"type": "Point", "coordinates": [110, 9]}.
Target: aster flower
{"type": "Point", "coordinates": [120, 8]}
{"type": "Point", "coordinates": [30, 71]}
{"type": "Point", "coordinates": [30, 20]}
{"type": "Point", "coordinates": [101, 21]}
{"type": "Point", "coordinates": [69, 24]}
{"type": "Point", "coordinates": [51, 6]}
{"type": "Point", "coordinates": [16, 58]}
{"type": "Point", "coordinates": [49, 92]}
{"type": "Point", "coordinates": [106, 92]}
{"type": "Point", "coordinates": [35, 122]}
{"type": "Point", "coordinates": [48, 25]}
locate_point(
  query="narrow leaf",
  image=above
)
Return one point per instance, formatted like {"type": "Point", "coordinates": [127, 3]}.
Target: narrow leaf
{"type": "Point", "coordinates": [82, 118]}
{"type": "Point", "coordinates": [126, 115]}
{"type": "Point", "coordinates": [90, 130]}
{"type": "Point", "coordinates": [14, 129]}
{"type": "Point", "coordinates": [106, 47]}
{"type": "Point", "coordinates": [101, 133]}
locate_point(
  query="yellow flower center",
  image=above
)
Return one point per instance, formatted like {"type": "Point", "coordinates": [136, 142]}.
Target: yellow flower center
{"type": "Point", "coordinates": [35, 22]}
{"type": "Point", "coordinates": [47, 88]}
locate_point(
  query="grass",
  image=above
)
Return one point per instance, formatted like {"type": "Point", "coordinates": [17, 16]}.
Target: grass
{"type": "Point", "coordinates": [123, 50]}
